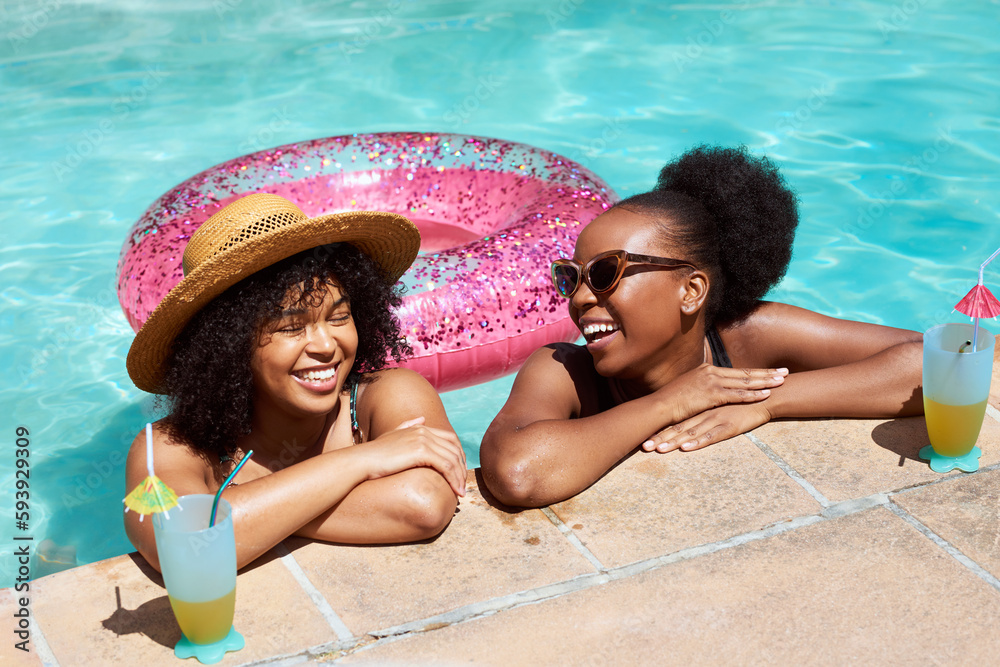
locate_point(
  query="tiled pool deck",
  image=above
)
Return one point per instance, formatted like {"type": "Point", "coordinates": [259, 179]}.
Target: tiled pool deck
{"type": "Point", "coordinates": [818, 542]}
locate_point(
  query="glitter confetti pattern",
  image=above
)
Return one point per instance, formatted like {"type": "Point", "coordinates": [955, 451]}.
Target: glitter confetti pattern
{"type": "Point", "coordinates": [492, 215]}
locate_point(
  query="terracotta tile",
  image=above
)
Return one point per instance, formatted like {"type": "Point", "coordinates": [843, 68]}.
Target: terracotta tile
{"type": "Point", "coordinates": [654, 504]}
{"type": "Point", "coordinates": [965, 511]}
{"type": "Point", "coordinates": [865, 588]}
{"type": "Point", "coordinates": [484, 553]}
{"type": "Point", "coordinates": [853, 458]}
{"type": "Point", "coordinates": [274, 614]}
{"type": "Point", "coordinates": [94, 614]}
{"type": "Point", "coordinates": [100, 613]}
{"type": "Point", "coordinates": [9, 653]}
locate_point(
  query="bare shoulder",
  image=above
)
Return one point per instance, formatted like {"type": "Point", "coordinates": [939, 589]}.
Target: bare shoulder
{"type": "Point", "coordinates": [557, 381]}
{"type": "Point", "coordinates": [768, 324]}
{"type": "Point", "coordinates": [391, 380]}
{"type": "Point", "coordinates": [177, 463]}
{"type": "Point", "coordinates": [396, 395]}
{"type": "Point", "coordinates": [558, 360]}
{"type": "Point", "coordinates": [779, 334]}
{"type": "Point", "coordinates": [166, 449]}
{"type": "Point", "coordinates": [771, 315]}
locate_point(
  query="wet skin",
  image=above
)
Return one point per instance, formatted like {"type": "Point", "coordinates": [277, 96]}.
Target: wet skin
{"type": "Point", "coordinates": [554, 438]}
{"type": "Point", "coordinates": [307, 477]}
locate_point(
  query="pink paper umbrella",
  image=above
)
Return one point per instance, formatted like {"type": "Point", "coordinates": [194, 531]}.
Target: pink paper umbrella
{"type": "Point", "coordinates": [979, 302]}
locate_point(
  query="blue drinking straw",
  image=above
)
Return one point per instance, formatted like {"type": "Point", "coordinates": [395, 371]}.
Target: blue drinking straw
{"type": "Point", "coordinates": [218, 494]}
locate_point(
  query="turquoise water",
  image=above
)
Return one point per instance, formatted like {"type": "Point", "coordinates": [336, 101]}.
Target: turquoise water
{"type": "Point", "coordinates": [882, 116]}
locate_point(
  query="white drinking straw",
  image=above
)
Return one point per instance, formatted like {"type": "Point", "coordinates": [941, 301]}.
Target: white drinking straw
{"type": "Point", "coordinates": [149, 448]}
{"type": "Point", "coordinates": [149, 466]}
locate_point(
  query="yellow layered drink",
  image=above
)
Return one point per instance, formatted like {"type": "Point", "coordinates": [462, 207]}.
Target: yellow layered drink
{"type": "Point", "coordinates": [953, 429]}
{"type": "Point", "coordinates": [205, 622]}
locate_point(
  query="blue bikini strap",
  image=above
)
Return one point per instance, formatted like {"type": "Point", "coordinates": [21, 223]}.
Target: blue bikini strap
{"type": "Point", "coordinates": [355, 426]}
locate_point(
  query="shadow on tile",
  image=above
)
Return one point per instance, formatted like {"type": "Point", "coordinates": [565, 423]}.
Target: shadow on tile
{"type": "Point", "coordinates": [476, 484]}
{"type": "Point", "coordinates": [490, 499]}
{"type": "Point", "coordinates": [146, 569]}
{"type": "Point", "coordinates": [903, 437]}
{"type": "Point", "coordinates": [156, 578]}
{"type": "Point", "coordinates": [293, 542]}
{"type": "Point", "coordinates": [153, 619]}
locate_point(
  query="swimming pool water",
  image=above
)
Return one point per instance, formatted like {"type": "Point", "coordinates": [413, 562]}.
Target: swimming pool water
{"type": "Point", "coordinates": [882, 116]}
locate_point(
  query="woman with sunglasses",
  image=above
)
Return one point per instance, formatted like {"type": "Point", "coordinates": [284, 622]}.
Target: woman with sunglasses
{"type": "Point", "coordinates": [680, 352]}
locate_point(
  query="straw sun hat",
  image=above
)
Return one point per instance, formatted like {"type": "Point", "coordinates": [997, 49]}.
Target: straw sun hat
{"type": "Point", "coordinates": [248, 235]}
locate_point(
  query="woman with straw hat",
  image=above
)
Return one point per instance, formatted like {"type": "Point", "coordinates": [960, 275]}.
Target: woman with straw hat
{"type": "Point", "coordinates": [276, 341]}
{"type": "Point", "coordinates": [680, 352]}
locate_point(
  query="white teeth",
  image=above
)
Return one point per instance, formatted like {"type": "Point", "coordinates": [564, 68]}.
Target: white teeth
{"type": "Point", "coordinates": [317, 376]}
{"type": "Point", "coordinates": [592, 329]}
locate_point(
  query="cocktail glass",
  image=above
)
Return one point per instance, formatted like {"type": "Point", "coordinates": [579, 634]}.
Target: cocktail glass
{"type": "Point", "coordinates": [199, 569]}
{"type": "Point", "coordinates": [956, 388]}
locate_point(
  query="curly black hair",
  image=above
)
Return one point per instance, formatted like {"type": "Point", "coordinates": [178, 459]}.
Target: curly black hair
{"type": "Point", "coordinates": [733, 216]}
{"type": "Point", "coordinates": [208, 379]}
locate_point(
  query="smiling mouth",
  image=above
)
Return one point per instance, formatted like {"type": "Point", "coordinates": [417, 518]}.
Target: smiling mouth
{"type": "Point", "coordinates": [595, 332]}
{"type": "Point", "coordinates": [316, 376]}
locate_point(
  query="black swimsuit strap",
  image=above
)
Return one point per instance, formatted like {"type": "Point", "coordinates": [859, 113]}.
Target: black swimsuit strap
{"type": "Point", "coordinates": [720, 357]}
{"type": "Point", "coordinates": [605, 399]}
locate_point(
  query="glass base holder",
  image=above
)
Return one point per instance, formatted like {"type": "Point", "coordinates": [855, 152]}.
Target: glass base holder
{"type": "Point", "coordinates": [209, 654]}
{"type": "Point", "coordinates": [968, 463]}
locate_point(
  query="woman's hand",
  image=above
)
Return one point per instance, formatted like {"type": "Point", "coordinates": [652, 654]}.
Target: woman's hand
{"type": "Point", "coordinates": [411, 445]}
{"type": "Point", "coordinates": [708, 386]}
{"type": "Point", "coordinates": [715, 404]}
{"type": "Point", "coordinates": [709, 427]}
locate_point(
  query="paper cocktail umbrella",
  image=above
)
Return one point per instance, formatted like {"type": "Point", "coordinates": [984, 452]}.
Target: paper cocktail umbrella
{"type": "Point", "coordinates": [152, 495]}
{"type": "Point", "coordinates": [979, 302]}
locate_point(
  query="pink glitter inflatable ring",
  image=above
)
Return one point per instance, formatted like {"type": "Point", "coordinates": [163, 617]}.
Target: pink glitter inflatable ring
{"type": "Point", "coordinates": [492, 216]}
